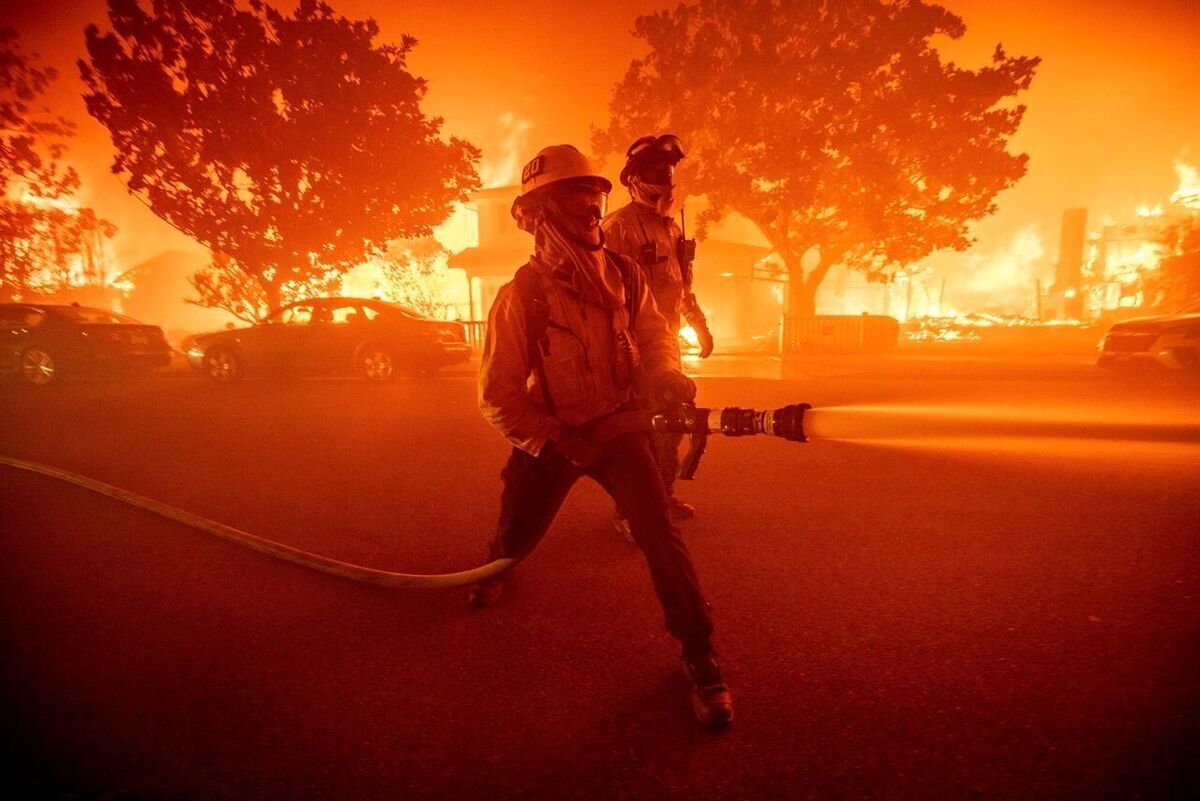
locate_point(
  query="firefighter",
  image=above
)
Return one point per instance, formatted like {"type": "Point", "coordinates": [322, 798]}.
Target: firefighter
{"type": "Point", "coordinates": [569, 341]}
{"type": "Point", "coordinates": [645, 231]}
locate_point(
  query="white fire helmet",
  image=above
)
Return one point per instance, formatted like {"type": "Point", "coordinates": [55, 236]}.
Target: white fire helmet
{"type": "Point", "coordinates": [552, 165]}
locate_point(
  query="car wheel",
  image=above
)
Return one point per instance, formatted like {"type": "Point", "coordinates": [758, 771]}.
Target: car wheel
{"type": "Point", "coordinates": [376, 363]}
{"type": "Point", "coordinates": [37, 366]}
{"type": "Point", "coordinates": [223, 365]}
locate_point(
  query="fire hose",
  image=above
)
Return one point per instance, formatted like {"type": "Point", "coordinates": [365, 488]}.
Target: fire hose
{"type": "Point", "coordinates": [786, 422]}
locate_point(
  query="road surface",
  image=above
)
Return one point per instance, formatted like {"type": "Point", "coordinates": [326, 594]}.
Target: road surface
{"type": "Point", "coordinates": [985, 608]}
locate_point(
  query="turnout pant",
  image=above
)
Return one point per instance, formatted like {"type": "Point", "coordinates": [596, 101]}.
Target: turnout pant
{"type": "Point", "coordinates": [535, 488]}
{"type": "Point", "coordinates": [666, 451]}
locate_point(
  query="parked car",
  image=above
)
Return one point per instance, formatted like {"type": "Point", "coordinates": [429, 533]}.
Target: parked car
{"type": "Point", "coordinates": [1171, 340]}
{"type": "Point", "coordinates": [331, 336]}
{"type": "Point", "coordinates": [41, 343]}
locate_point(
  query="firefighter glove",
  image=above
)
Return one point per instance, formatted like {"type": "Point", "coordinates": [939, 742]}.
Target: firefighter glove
{"type": "Point", "coordinates": [705, 338]}
{"type": "Point", "coordinates": [671, 389]}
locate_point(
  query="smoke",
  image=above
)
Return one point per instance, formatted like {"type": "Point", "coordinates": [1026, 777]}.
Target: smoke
{"type": "Point", "coordinates": [1013, 267]}
{"type": "Point", "coordinates": [1001, 278]}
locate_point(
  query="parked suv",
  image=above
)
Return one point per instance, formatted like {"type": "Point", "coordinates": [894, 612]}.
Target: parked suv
{"type": "Point", "coordinates": [1171, 340]}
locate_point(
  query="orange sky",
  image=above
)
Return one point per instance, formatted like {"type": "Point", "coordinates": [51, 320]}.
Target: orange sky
{"type": "Point", "coordinates": [1114, 103]}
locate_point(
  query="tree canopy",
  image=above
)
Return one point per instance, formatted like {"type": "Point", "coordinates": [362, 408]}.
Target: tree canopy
{"type": "Point", "coordinates": [32, 139]}
{"type": "Point", "coordinates": [829, 125]}
{"type": "Point", "coordinates": [291, 145]}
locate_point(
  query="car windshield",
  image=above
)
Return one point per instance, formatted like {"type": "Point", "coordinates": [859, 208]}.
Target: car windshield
{"type": "Point", "coordinates": [88, 316]}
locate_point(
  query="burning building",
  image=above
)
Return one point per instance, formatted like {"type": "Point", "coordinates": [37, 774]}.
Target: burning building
{"type": "Point", "coordinates": [53, 248]}
{"type": "Point", "coordinates": [499, 248]}
{"type": "Point", "coordinates": [1123, 258]}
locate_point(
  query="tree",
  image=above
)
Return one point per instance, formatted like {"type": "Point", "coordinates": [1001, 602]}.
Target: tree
{"type": "Point", "coordinates": [32, 140]}
{"type": "Point", "coordinates": [290, 145]}
{"type": "Point", "coordinates": [47, 242]}
{"type": "Point", "coordinates": [414, 273]}
{"type": "Point", "coordinates": [833, 126]}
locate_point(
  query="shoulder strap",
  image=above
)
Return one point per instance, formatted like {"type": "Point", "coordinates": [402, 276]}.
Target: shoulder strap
{"type": "Point", "coordinates": [537, 319]}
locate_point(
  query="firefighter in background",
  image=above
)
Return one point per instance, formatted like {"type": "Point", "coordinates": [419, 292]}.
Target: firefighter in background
{"type": "Point", "coordinates": [569, 341]}
{"type": "Point", "coordinates": [645, 230]}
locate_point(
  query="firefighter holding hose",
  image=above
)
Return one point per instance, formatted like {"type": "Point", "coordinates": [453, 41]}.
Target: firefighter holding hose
{"type": "Point", "coordinates": [572, 339]}
{"type": "Point", "coordinates": [645, 231]}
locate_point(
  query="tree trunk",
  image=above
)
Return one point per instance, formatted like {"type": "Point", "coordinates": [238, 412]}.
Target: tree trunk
{"type": "Point", "coordinates": [273, 294]}
{"type": "Point", "coordinates": [801, 297]}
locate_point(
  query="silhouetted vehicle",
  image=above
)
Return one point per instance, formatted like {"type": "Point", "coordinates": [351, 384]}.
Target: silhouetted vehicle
{"type": "Point", "coordinates": [1171, 340]}
{"type": "Point", "coordinates": [331, 336]}
{"type": "Point", "coordinates": [40, 343]}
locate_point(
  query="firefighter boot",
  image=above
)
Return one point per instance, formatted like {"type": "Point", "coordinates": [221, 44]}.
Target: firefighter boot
{"type": "Point", "coordinates": [712, 702]}
{"type": "Point", "coordinates": [485, 593]}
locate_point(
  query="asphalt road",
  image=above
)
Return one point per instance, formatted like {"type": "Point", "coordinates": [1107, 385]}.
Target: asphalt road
{"type": "Point", "coordinates": [966, 594]}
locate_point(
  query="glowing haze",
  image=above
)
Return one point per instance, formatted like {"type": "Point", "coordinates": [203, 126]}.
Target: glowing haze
{"type": "Point", "coordinates": [1112, 121]}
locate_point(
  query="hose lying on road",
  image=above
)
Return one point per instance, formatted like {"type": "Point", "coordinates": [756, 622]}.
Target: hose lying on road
{"type": "Point", "coordinates": [262, 545]}
{"type": "Point", "coordinates": [785, 422]}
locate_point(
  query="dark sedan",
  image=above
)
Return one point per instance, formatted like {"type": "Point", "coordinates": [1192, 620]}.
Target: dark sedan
{"type": "Point", "coordinates": [331, 336]}
{"type": "Point", "coordinates": [40, 343]}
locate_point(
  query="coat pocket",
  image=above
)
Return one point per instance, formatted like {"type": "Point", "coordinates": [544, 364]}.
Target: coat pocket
{"type": "Point", "coordinates": [567, 370]}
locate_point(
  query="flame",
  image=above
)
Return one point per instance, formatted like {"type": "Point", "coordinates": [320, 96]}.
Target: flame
{"type": "Point", "coordinates": [1149, 211]}
{"type": "Point", "coordinates": [505, 170]}
{"type": "Point", "coordinates": [446, 287]}
{"type": "Point", "coordinates": [91, 261]}
{"type": "Point", "coordinates": [365, 281]}
{"type": "Point", "coordinates": [1188, 192]}
{"type": "Point", "coordinates": [67, 204]}
{"type": "Point", "coordinates": [440, 292]}
{"type": "Point", "coordinates": [460, 230]}
{"type": "Point", "coordinates": [1127, 260]}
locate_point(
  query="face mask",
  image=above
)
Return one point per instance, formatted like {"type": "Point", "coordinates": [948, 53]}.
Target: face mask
{"type": "Point", "coordinates": [660, 197]}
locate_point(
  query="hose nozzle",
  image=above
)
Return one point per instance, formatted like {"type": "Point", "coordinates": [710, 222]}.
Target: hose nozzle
{"type": "Point", "coordinates": [733, 421]}
{"type": "Point", "coordinates": [786, 422]}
